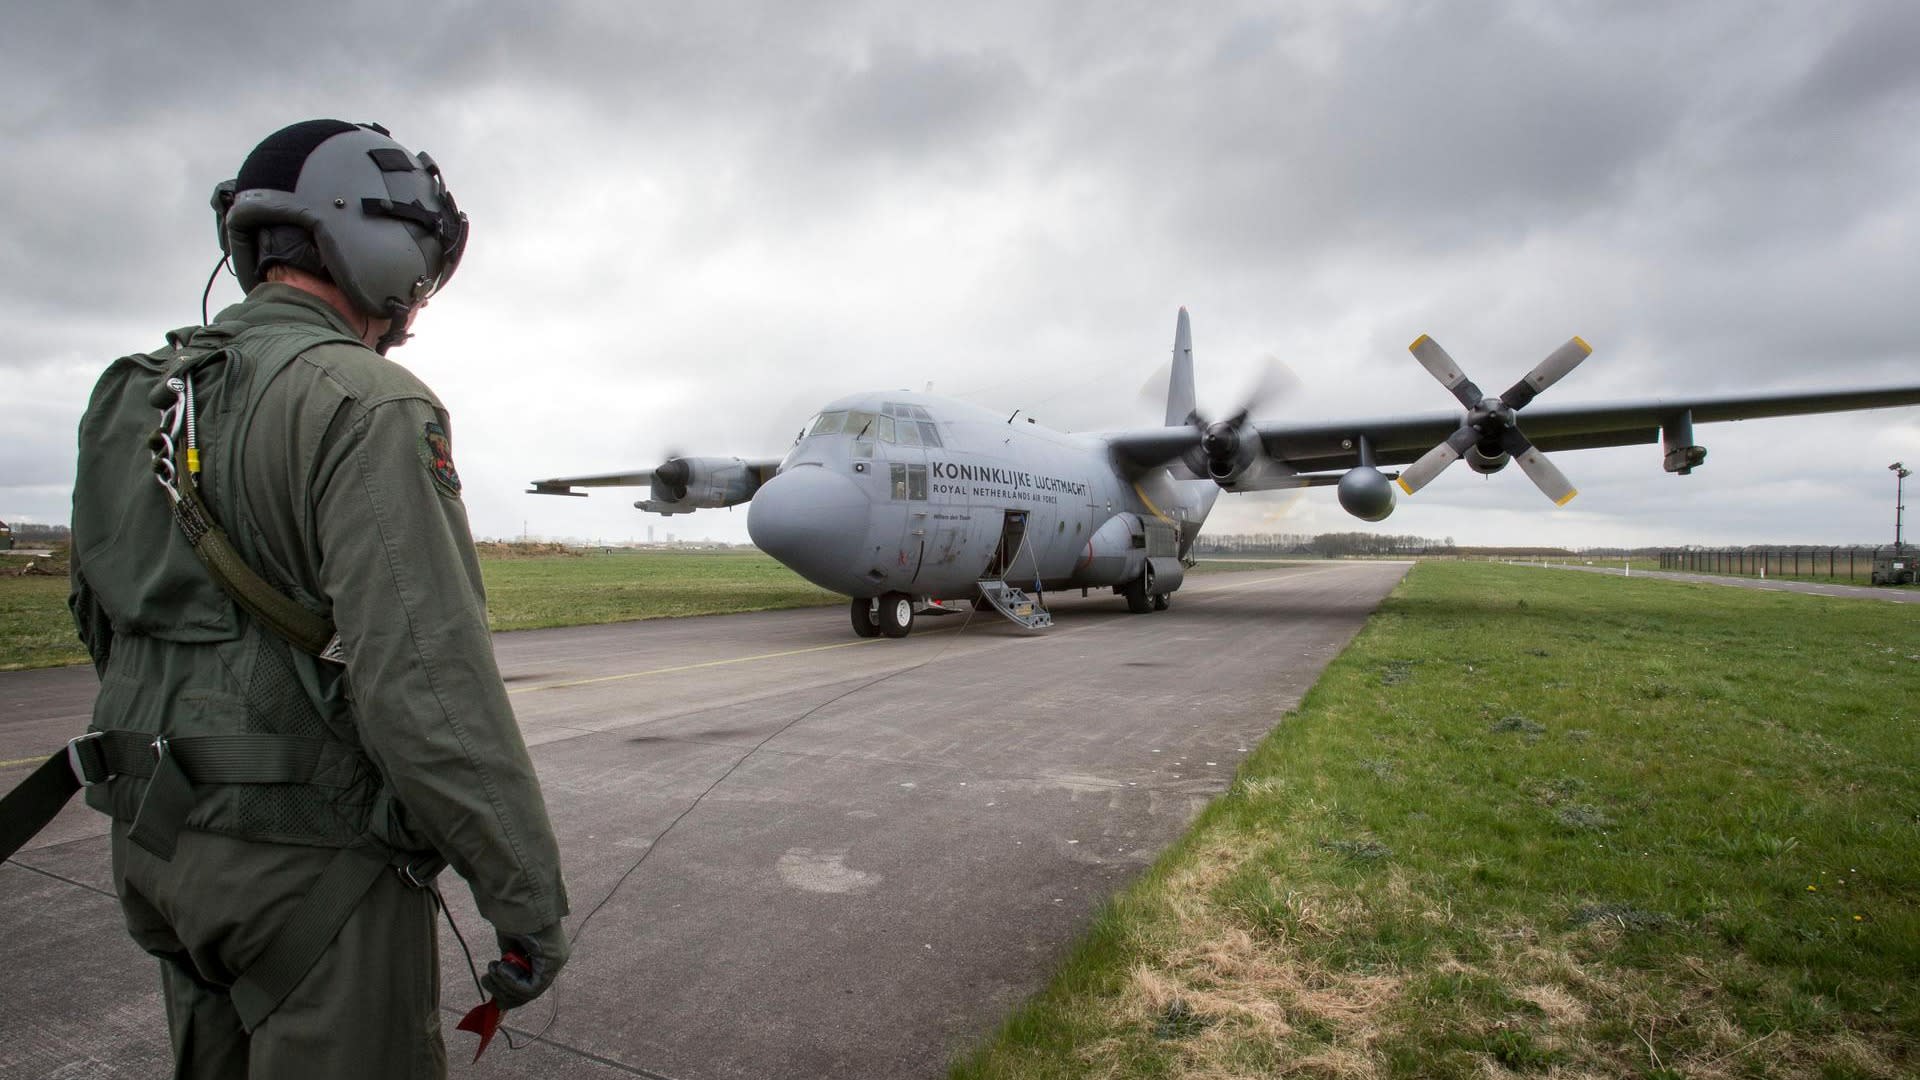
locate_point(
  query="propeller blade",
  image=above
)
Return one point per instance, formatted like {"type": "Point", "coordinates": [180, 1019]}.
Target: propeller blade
{"type": "Point", "coordinates": [1435, 461]}
{"type": "Point", "coordinates": [1273, 382]}
{"type": "Point", "coordinates": [1549, 371]}
{"type": "Point", "coordinates": [1545, 475]}
{"type": "Point", "coordinates": [1441, 366]}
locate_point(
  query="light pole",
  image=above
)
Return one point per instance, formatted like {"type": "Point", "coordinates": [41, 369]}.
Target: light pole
{"type": "Point", "coordinates": [1900, 474]}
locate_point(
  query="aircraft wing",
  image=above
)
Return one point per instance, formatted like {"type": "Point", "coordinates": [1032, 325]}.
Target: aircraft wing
{"type": "Point", "coordinates": [1401, 440]}
{"type": "Point", "coordinates": [679, 484]}
{"type": "Point", "coordinates": [563, 485]}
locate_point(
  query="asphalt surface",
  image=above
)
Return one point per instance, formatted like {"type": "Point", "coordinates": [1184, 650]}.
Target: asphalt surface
{"type": "Point", "coordinates": [898, 840]}
{"type": "Point", "coordinates": [1902, 594]}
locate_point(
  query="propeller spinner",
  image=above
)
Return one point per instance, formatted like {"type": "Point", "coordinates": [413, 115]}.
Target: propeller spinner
{"type": "Point", "coordinates": [1491, 421]}
{"type": "Point", "coordinates": [1230, 450]}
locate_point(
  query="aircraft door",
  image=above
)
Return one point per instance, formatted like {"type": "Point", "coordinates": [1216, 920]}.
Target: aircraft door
{"type": "Point", "coordinates": [1014, 556]}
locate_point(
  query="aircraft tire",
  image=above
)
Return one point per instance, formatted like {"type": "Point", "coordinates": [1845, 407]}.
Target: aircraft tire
{"type": "Point", "coordinates": [1160, 601]}
{"type": "Point", "coordinates": [863, 623]}
{"type": "Point", "coordinates": [1140, 593]}
{"type": "Point", "coordinates": [896, 614]}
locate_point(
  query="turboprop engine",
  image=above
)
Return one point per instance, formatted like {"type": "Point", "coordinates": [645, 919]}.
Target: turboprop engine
{"type": "Point", "coordinates": [1484, 463]}
{"type": "Point", "coordinates": [698, 483]}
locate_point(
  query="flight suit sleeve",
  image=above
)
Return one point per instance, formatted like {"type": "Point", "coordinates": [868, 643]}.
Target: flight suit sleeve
{"type": "Point", "coordinates": [89, 618]}
{"type": "Point", "coordinates": [397, 561]}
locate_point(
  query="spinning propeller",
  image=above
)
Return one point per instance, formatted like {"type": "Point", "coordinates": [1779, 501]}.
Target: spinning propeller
{"type": "Point", "coordinates": [1491, 424]}
{"type": "Point", "coordinates": [1230, 450]}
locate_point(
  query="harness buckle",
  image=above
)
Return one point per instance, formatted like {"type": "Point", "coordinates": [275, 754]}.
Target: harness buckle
{"type": "Point", "coordinates": [87, 757]}
{"type": "Point", "coordinates": [419, 872]}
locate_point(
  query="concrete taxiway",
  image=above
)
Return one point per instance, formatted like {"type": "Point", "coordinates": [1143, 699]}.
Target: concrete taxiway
{"type": "Point", "coordinates": [859, 853]}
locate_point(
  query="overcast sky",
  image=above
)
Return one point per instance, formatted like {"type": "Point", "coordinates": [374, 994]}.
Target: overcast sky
{"type": "Point", "coordinates": [696, 223]}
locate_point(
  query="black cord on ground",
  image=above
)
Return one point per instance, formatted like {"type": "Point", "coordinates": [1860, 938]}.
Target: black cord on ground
{"type": "Point", "coordinates": [581, 926]}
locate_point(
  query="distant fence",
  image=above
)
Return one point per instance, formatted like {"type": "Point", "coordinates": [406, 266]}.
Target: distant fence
{"type": "Point", "coordinates": [1852, 563]}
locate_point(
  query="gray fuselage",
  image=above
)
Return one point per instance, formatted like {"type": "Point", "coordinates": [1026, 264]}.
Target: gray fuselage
{"type": "Point", "coordinates": [910, 493]}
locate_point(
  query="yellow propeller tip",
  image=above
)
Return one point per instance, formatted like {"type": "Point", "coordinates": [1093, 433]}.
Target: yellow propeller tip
{"type": "Point", "coordinates": [1582, 342]}
{"type": "Point", "coordinates": [1567, 498]}
{"type": "Point", "coordinates": [1417, 342]}
{"type": "Point", "coordinates": [1400, 480]}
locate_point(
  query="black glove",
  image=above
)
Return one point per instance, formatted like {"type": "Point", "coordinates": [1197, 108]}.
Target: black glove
{"type": "Point", "coordinates": [545, 952]}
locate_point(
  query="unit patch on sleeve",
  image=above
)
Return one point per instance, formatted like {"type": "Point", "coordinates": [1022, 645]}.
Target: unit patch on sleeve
{"type": "Point", "coordinates": [437, 452]}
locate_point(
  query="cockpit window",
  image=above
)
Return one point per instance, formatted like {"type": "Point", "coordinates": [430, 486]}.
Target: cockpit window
{"type": "Point", "coordinates": [929, 435]}
{"type": "Point", "coordinates": [860, 423]}
{"type": "Point", "coordinates": [908, 432]}
{"type": "Point", "coordinates": [830, 423]}
{"type": "Point", "coordinates": [883, 427]}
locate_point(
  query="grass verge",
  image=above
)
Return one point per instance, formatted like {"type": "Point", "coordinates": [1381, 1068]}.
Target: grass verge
{"type": "Point", "coordinates": [524, 592]}
{"type": "Point", "coordinates": [1537, 824]}
{"type": "Point", "coordinates": [577, 590]}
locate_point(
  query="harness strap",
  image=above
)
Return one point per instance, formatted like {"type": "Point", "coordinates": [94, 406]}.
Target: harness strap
{"type": "Point", "coordinates": [274, 609]}
{"type": "Point", "coordinates": [174, 766]}
{"type": "Point", "coordinates": [28, 808]}
{"type": "Point", "coordinates": [307, 933]}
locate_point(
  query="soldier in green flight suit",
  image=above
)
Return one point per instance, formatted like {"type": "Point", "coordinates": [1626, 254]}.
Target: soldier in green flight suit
{"type": "Point", "coordinates": [277, 796]}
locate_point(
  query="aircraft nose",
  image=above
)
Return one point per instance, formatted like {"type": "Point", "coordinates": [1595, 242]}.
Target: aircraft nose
{"type": "Point", "coordinates": [813, 520]}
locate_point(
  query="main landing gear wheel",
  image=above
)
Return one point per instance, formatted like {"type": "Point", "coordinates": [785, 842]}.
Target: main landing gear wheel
{"type": "Point", "coordinates": [1140, 594]}
{"type": "Point", "coordinates": [863, 623]}
{"type": "Point", "coordinates": [1160, 601]}
{"type": "Point", "coordinates": [896, 614]}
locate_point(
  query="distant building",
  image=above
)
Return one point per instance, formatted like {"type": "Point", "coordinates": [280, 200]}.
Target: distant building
{"type": "Point", "coordinates": [6, 537]}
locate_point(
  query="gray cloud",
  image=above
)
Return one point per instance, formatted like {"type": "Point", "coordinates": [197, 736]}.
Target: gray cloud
{"type": "Point", "coordinates": [694, 223]}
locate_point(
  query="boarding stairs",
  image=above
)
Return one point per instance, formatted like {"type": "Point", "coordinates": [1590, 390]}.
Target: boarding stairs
{"type": "Point", "coordinates": [1025, 611]}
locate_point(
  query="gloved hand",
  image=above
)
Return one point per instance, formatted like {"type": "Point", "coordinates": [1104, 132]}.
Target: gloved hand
{"type": "Point", "coordinates": [545, 951]}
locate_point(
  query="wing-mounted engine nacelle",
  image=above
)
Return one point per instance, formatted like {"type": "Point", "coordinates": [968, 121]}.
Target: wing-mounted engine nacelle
{"type": "Point", "coordinates": [1487, 460]}
{"type": "Point", "coordinates": [701, 483]}
{"type": "Point", "coordinates": [1228, 455]}
{"type": "Point", "coordinates": [1366, 493]}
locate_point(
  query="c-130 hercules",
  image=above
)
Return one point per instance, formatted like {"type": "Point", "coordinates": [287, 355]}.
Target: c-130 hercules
{"type": "Point", "coordinates": [909, 502]}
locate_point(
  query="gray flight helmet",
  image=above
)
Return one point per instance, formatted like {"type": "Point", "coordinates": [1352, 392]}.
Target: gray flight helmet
{"type": "Point", "coordinates": [387, 228]}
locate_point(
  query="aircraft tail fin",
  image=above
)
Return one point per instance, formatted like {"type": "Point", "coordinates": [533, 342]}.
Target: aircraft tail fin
{"type": "Point", "coordinates": [1180, 400]}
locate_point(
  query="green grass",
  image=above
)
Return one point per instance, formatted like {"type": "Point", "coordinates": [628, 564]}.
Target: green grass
{"type": "Point", "coordinates": [1225, 565]}
{"type": "Point", "coordinates": [523, 593]}
{"type": "Point", "coordinates": [1537, 823]}
{"type": "Point", "coordinates": [35, 628]}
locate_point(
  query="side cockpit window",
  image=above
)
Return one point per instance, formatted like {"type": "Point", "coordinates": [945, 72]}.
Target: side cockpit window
{"type": "Point", "coordinates": [909, 481]}
{"type": "Point", "coordinates": [829, 423]}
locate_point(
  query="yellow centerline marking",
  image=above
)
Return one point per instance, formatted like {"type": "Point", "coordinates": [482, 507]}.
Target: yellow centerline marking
{"type": "Point", "coordinates": [21, 761]}
{"type": "Point", "coordinates": [707, 664]}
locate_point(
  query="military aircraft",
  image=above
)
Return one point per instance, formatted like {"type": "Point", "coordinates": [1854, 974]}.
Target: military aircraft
{"type": "Point", "coordinates": [910, 503]}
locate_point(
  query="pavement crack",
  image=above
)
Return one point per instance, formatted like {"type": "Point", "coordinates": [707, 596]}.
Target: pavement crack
{"type": "Point", "coordinates": [61, 878]}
